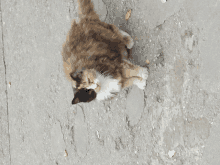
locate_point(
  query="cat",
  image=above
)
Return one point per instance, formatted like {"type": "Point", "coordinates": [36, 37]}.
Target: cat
{"type": "Point", "coordinates": [96, 59]}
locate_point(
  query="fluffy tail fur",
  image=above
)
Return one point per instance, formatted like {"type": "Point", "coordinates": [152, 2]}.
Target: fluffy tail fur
{"type": "Point", "coordinates": [86, 8]}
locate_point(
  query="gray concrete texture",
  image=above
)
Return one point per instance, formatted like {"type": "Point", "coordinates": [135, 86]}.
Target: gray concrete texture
{"type": "Point", "coordinates": [174, 121]}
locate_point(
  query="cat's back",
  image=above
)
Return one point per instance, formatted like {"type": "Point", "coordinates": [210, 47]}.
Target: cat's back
{"type": "Point", "coordinates": [93, 37]}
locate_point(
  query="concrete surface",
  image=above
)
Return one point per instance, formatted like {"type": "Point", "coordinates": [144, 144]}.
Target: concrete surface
{"type": "Point", "coordinates": [174, 121]}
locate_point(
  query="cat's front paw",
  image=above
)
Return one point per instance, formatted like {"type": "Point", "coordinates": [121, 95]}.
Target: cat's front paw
{"type": "Point", "coordinates": [142, 81]}
{"type": "Point", "coordinates": [143, 73]}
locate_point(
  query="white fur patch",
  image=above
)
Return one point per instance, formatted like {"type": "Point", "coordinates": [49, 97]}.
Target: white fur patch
{"type": "Point", "coordinates": [93, 86]}
{"type": "Point", "coordinates": [108, 85]}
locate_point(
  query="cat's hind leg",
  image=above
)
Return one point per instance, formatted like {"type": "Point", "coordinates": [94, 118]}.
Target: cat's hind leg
{"type": "Point", "coordinates": [134, 74]}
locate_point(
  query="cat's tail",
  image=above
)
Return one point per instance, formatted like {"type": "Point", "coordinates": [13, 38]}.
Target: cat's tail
{"type": "Point", "coordinates": [86, 8]}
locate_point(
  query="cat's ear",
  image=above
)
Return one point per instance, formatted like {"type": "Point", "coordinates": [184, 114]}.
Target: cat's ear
{"type": "Point", "coordinates": [75, 100]}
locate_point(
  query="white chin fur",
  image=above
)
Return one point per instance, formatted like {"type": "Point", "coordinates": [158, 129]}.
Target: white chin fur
{"type": "Point", "coordinates": [93, 86]}
{"type": "Point", "coordinates": [108, 85]}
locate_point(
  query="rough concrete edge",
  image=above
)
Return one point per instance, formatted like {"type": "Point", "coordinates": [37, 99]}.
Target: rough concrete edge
{"type": "Point", "coordinates": [6, 91]}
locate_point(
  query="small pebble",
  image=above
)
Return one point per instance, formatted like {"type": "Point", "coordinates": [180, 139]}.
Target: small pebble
{"type": "Point", "coordinates": [171, 153]}
{"type": "Point", "coordinates": [128, 14]}
{"type": "Point", "coordinates": [66, 154]}
{"type": "Point", "coordinates": [147, 61]}
{"type": "Point", "coordinates": [9, 84]}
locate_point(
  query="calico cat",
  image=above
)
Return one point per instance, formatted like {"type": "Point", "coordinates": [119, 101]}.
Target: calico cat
{"type": "Point", "coordinates": [95, 58]}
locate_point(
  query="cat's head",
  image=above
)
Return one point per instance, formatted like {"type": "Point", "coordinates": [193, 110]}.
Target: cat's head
{"type": "Point", "coordinates": [85, 85]}
{"type": "Point", "coordinates": [90, 84]}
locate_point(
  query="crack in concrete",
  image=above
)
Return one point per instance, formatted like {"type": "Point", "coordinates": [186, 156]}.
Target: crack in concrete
{"type": "Point", "coordinates": [6, 91]}
{"type": "Point", "coordinates": [62, 132]}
